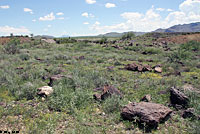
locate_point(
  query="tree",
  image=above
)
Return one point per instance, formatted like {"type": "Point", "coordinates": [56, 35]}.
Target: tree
{"type": "Point", "coordinates": [128, 36]}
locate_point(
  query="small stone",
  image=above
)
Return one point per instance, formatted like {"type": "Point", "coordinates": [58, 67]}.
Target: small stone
{"type": "Point", "coordinates": [146, 98]}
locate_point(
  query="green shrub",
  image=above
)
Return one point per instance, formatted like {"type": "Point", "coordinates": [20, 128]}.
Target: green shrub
{"type": "Point", "coordinates": [191, 46]}
{"type": "Point", "coordinates": [24, 57]}
{"type": "Point", "coordinates": [12, 47]}
{"type": "Point", "coordinates": [151, 50]}
{"type": "Point", "coordinates": [103, 40]}
{"type": "Point", "coordinates": [179, 55]}
{"type": "Point", "coordinates": [128, 36]}
{"type": "Point", "coordinates": [112, 104]}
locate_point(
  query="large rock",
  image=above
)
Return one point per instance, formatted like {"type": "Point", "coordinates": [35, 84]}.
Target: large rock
{"type": "Point", "coordinates": [106, 92]}
{"type": "Point", "coordinates": [177, 97]}
{"type": "Point", "coordinates": [45, 91]}
{"type": "Point", "coordinates": [150, 113]}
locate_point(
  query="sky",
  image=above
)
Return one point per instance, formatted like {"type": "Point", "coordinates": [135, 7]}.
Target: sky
{"type": "Point", "coordinates": [93, 17]}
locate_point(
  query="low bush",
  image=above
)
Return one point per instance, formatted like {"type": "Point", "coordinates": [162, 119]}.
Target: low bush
{"type": "Point", "coordinates": [12, 47]}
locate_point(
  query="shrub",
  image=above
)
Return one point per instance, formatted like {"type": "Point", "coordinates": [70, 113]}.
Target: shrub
{"type": "Point", "coordinates": [112, 104]}
{"type": "Point", "coordinates": [103, 40]}
{"type": "Point", "coordinates": [128, 36]}
{"type": "Point", "coordinates": [12, 47]}
{"type": "Point", "coordinates": [191, 46]}
{"type": "Point", "coordinates": [24, 57]}
{"type": "Point", "coordinates": [179, 55]}
{"type": "Point", "coordinates": [151, 50]}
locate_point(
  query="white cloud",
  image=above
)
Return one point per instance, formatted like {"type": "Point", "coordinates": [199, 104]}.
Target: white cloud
{"type": "Point", "coordinates": [190, 6]}
{"type": "Point", "coordinates": [6, 30]}
{"type": "Point", "coordinates": [97, 23]}
{"type": "Point", "coordinates": [86, 23]}
{"type": "Point", "coordinates": [160, 9]}
{"type": "Point", "coordinates": [34, 20]}
{"type": "Point", "coordinates": [90, 1]}
{"type": "Point", "coordinates": [5, 7]}
{"type": "Point", "coordinates": [85, 14]}
{"type": "Point", "coordinates": [60, 13]}
{"type": "Point", "coordinates": [28, 10]}
{"type": "Point", "coordinates": [110, 5]}
{"type": "Point", "coordinates": [49, 26]}
{"type": "Point", "coordinates": [188, 12]}
{"type": "Point", "coordinates": [169, 10]}
{"type": "Point", "coordinates": [48, 17]}
{"type": "Point", "coordinates": [61, 18]}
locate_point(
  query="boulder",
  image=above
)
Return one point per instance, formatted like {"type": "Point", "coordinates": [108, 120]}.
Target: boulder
{"type": "Point", "coordinates": [106, 92]}
{"type": "Point", "coordinates": [177, 97]}
{"type": "Point", "coordinates": [45, 91]}
{"type": "Point", "coordinates": [146, 98]}
{"type": "Point", "coordinates": [145, 112]}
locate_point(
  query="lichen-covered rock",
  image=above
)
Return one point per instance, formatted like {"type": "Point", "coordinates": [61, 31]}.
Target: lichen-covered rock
{"type": "Point", "coordinates": [150, 113]}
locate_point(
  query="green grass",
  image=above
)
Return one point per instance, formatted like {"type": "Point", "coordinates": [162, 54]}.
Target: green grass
{"type": "Point", "coordinates": [71, 108]}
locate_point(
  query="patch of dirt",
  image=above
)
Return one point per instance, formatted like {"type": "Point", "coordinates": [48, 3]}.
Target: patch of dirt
{"type": "Point", "coordinates": [180, 39]}
{"type": "Point", "coordinates": [5, 40]}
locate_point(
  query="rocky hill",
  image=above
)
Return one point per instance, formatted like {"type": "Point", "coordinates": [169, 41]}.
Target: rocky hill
{"type": "Point", "coordinates": [192, 27]}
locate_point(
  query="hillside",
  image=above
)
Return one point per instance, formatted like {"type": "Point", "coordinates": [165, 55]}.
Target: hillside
{"type": "Point", "coordinates": [146, 84]}
{"type": "Point", "coordinates": [192, 27]}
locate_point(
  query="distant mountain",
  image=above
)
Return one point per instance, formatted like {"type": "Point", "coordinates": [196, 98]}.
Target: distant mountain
{"type": "Point", "coordinates": [64, 36]}
{"type": "Point", "coordinates": [115, 34]}
{"type": "Point", "coordinates": [44, 36]}
{"type": "Point", "coordinates": [192, 27]}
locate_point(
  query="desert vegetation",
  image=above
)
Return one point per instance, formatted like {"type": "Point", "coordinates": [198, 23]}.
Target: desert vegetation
{"type": "Point", "coordinates": [91, 83]}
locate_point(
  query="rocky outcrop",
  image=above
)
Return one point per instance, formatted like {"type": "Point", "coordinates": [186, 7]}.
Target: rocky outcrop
{"type": "Point", "coordinates": [144, 112]}
{"type": "Point", "coordinates": [138, 67]}
{"type": "Point", "coordinates": [106, 92]}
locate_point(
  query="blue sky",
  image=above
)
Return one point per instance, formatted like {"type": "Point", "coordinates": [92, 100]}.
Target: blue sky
{"type": "Point", "coordinates": [93, 17]}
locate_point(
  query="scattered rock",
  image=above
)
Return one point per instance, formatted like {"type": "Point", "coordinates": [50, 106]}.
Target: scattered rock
{"type": "Point", "coordinates": [44, 91]}
{"type": "Point", "coordinates": [150, 113]}
{"type": "Point", "coordinates": [188, 113]}
{"type": "Point", "coordinates": [55, 79]}
{"type": "Point", "coordinates": [158, 69]}
{"type": "Point", "coordinates": [177, 97]}
{"type": "Point", "coordinates": [146, 98]}
{"type": "Point", "coordinates": [106, 92]}
{"type": "Point", "coordinates": [3, 104]}
{"type": "Point", "coordinates": [138, 67]}
{"type": "Point", "coordinates": [162, 92]}
{"type": "Point", "coordinates": [110, 68]}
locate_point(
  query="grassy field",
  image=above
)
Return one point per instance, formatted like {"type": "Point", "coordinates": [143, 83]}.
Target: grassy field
{"type": "Point", "coordinates": [71, 109]}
